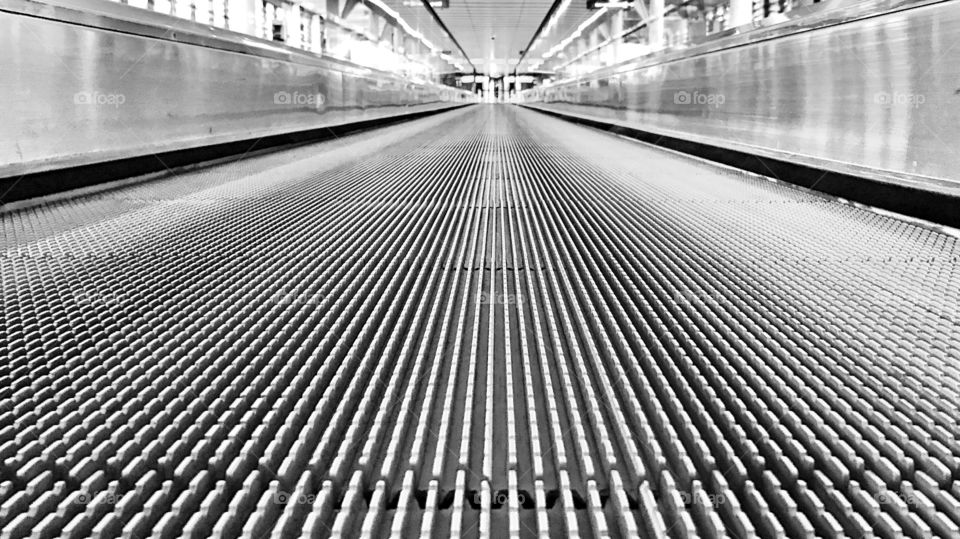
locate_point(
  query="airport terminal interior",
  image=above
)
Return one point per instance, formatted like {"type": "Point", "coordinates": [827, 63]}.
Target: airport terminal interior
{"type": "Point", "coordinates": [480, 268]}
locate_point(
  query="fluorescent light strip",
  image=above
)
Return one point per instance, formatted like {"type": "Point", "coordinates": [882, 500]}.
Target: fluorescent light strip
{"type": "Point", "coordinates": [554, 19]}
{"type": "Point", "coordinates": [577, 33]}
{"type": "Point", "coordinates": [645, 22]}
{"type": "Point", "coordinates": [404, 25]}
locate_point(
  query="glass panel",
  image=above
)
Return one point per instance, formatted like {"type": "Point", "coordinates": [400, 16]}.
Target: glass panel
{"type": "Point", "coordinates": [162, 6]}
{"type": "Point", "coordinates": [582, 40]}
{"type": "Point", "coordinates": [372, 35]}
{"type": "Point", "coordinates": [219, 12]}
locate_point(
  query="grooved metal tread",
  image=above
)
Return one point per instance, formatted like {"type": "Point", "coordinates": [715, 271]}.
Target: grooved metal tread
{"type": "Point", "coordinates": [488, 322]}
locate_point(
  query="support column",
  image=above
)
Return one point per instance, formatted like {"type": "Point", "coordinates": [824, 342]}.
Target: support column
{"type": "Point", "coordinates": [345, 7]}
{"type": "Point", "coordinates": [656, 24]}
{"type": "Point", "coordinates": [593, 58]}
{"type": "Point", "coordinates": [377, 26]}
{"type": "Point", "coordinates": [292, 24]}
{"type": "Point", "coordinates": [316, 35]}
{"type": "Point", "coordinates": [241, 16]}
{"type": "Point", "coordinates": [616, 26]}
{"type": "Point", "coordinates": [593, 39]}
{"type": "Point", "coordinates": [581, 48]}
{"type": "Point", "coordinates": [398, 41]}
{"type": "Point", "coordinates": [741, 13]}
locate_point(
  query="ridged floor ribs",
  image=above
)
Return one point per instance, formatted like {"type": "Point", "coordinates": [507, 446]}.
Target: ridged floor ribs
{"type": "Point", "coordinates": [483, 323]}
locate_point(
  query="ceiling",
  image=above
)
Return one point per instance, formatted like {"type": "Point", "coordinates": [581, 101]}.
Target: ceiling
{"type": "Point", "coordinates": [493, 32]}
{"type": "Point", "coordinates": [569, 16]}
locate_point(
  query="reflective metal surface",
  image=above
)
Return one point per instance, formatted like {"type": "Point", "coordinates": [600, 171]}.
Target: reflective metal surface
{"type": "Point", "coordinates": [75, 94]}
{"type": "Point", "coordinates": [871, 95]}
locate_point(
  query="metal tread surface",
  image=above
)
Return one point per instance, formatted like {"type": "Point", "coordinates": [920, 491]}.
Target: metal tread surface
{"type": "Point", "coordinates": [484, 323]}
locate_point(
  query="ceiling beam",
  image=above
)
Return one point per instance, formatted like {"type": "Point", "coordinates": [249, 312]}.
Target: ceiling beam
{"type": "Point", "coordinates": [433, 12]}
{"type": "Point", "coordinates": [348, 7]}
{"type": "Point", "coordinates": [543, 24]}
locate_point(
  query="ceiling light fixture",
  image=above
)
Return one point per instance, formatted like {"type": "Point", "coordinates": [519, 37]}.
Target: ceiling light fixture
{"type": "Point", "coordinates": [437, 4]}
{"type": "Point", "coordinates": [549, 21]}
{"type": "Point", "coordinates": [577, 33]}
{"type": "Point", "coordinates": [597, 4]}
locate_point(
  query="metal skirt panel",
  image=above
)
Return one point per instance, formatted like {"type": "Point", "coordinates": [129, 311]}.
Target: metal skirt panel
{"type": "Point", "coordinates": [75, 95]}
{"type": "Point", "coordinates": [873, 96]}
